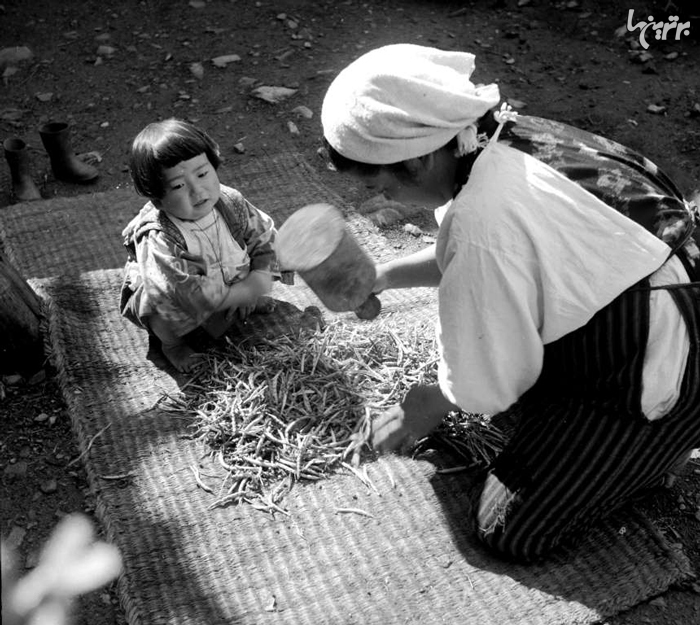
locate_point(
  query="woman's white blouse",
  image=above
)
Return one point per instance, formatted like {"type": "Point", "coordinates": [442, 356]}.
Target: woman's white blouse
{"type": "Point", "coordinates": [528, 256]}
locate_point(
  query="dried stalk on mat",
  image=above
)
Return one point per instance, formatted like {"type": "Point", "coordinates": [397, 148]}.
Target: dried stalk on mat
{"type": "Point", "coordinates": [299, 408]}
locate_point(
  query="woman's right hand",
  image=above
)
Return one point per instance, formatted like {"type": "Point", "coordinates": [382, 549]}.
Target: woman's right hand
{"type": "Point", "coordinates": [381, 281]}
{"type": "Point", "coordinates": [421, 411]}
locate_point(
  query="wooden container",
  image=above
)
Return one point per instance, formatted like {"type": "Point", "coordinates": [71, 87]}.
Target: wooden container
{"type": "Point", "coordinates": [315, 243]}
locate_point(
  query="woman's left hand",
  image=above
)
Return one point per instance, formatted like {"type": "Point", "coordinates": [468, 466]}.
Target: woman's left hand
{"type": "Point", "coordinates": [421, 411]}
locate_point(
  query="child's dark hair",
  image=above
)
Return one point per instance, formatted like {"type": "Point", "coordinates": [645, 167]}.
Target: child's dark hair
{"type": "Point", "coordinates": [164, 144]}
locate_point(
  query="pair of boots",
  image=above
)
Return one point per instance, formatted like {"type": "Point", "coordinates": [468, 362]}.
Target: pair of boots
{"type": "Point", "coordinates": [66, 166]}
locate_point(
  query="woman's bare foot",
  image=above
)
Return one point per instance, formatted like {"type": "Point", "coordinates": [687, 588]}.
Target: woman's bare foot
{"type": "Point", "coordinates": [181, 356]}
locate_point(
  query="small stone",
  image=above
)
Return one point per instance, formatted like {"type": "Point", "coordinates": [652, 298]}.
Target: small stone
{"type": "Point", "coordinates": [197, 4]}
{"type": "Point", "coordinates": [14, 540]}
{"type": "Point", "coordinates": [106, 51]}
{"type": "Point", "coordinates": [659, 602]}
{"type": "Point", "coordinates": [40, 418]}
{"type": "Point", "coordinates": [197, 70]}
{"type": "Point", "coordinates": [239, 148]}
{"type": "Point", "coordinates": [413, 229]}
{"type": "Point", "coordinates": [19, 469]}
{"type": "Point", "coordinates": [49, 486]}
{"type": "Point", "coordinates": [671, 56]}
{"type": "Point", "coordinates": [46, 96]}
{"type": "Point", "coordinates": [303, 111]}
{"type": "Point", "coordinates": [292, 127]}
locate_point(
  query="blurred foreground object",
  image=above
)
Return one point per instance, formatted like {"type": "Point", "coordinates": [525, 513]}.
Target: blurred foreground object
{"type": "Point", "coordinates": [72, 563]}
{"type": "Point", "coordinates": [21, 343]}
{"type": "Point", "coordinates": [315, 242]}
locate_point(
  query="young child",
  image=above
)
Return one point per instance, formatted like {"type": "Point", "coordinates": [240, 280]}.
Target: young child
{"type": "Point", "coordinates": [198, 250]}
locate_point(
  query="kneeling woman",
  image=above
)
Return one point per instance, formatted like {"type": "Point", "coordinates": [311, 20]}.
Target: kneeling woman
{"type": "Point", "coordinates": [569, 303]}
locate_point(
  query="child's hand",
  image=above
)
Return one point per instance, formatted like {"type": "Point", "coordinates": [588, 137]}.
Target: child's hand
{"type": "Point", "coordinates": [242, 312]}
{"type": "Point", "coordinates": [260, 282]}
{"type": "Point", "coordinates": [244, 295]}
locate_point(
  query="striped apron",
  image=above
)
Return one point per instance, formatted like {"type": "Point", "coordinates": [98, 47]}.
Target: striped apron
{"type": "Point", "coordinates": [580, 445]}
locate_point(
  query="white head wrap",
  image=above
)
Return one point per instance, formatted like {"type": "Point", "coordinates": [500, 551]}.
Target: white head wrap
{"type": "Point", "coordinates": [403, 101]}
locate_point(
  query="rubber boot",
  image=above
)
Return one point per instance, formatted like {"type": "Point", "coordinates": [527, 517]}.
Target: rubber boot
{"type": "Point", "coordinates": [66, 166]}
{"type": "Point", "coordinates": [17, 155]}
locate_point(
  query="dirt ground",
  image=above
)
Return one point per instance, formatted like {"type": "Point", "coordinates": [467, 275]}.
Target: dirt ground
{"type": "Point", "coordinates": [108, 68]}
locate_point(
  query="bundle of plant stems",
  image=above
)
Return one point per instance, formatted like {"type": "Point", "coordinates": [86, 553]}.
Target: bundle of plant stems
{"type": "Point", "coordinates": [300, 407]}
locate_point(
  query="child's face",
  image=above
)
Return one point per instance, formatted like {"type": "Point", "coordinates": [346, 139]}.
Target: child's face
{"type": "Point", "coordinates": [191, 188]}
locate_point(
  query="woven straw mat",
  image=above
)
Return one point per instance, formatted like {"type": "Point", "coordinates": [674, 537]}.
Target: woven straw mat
{"type": "Point", "coordinates": [410, 561]}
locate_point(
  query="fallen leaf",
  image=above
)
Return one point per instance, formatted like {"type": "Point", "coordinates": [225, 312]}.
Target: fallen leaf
{"type": "Point", "coordinates": [12, 115]}
{"type": "Point", "coordinates": [656, 109]}
{"type": "Point", "coordinates": [12, 56]}
{"type": "Point", "coordinates": [223, 61]}
{"type": "Point", "coordinates": [106, 50]}
{"type": "Point", "coordinates": [274, 95]}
